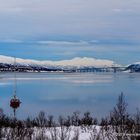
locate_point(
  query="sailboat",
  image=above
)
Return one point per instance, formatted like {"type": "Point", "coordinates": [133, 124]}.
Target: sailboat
{"type": "Point", "coordinates": [15, 102]}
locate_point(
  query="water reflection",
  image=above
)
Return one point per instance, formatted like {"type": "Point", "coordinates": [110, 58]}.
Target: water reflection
{"type": "Point", "coordinates": [63, 93]}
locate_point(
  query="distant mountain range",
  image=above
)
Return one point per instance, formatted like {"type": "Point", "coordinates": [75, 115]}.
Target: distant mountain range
{"type": "Point", "coordinates": [74, 65]}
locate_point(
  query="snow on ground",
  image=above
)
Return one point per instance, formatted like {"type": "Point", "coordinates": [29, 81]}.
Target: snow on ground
{"type": "Point", "coordinates": [71, 133]}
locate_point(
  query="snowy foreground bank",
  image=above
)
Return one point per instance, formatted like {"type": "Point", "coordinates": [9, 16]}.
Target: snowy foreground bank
{"type": "Point", "coordinates": [82, 133]}
{"type": "Point", "coordinates": [66, 133]}
{"type": "Point", "coordinates": [70, 133]}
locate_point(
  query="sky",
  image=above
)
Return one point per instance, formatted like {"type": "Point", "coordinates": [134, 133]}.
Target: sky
{"type": "Point", "coordinates": [64, 29]}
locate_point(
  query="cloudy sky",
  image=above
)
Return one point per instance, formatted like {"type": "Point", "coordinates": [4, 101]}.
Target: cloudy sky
{"type": "Point", "coordinates": [63, 29]}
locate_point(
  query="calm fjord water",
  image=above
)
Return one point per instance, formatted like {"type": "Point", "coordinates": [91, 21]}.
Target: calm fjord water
{"type": "Point", "coordinates": [63, 93]}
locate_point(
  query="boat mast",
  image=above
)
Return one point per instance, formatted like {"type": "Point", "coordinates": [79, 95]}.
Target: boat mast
{"type": "Point", "coordinates": [15, 102]}
{"type": "Point", "coordinates": [15, 86]}
{"type": "Point", "coordinates": [15, 79]}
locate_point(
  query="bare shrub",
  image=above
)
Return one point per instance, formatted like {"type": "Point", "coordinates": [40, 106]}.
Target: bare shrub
{"type": "Point", "coordinates": [41, 119]}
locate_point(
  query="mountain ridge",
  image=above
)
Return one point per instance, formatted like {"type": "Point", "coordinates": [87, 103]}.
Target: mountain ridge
{"type": "Point", "coordinates": [76, 62]}
{"type": "Point", "coordinates": [72, 65]}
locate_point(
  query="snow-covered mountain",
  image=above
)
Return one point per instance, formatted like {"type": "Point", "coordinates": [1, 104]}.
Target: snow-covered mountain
{"type": "Point", "coordinates": [135, 67]}
{"type": "Point", "coordinates": [75, 63]}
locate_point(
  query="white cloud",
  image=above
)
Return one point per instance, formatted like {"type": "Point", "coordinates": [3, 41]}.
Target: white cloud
{"type": "Point", "coordinates": [63, 42]}
{"type": "Point", "coordinates": [5, 84]}
{"type": "Point", "coordinates": [11, 41]}
{"type": "Point", "coordinates": [66, 53]}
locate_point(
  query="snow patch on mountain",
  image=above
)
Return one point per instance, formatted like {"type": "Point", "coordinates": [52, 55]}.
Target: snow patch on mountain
{"type": "Point", "coordinates": [137, 63]}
